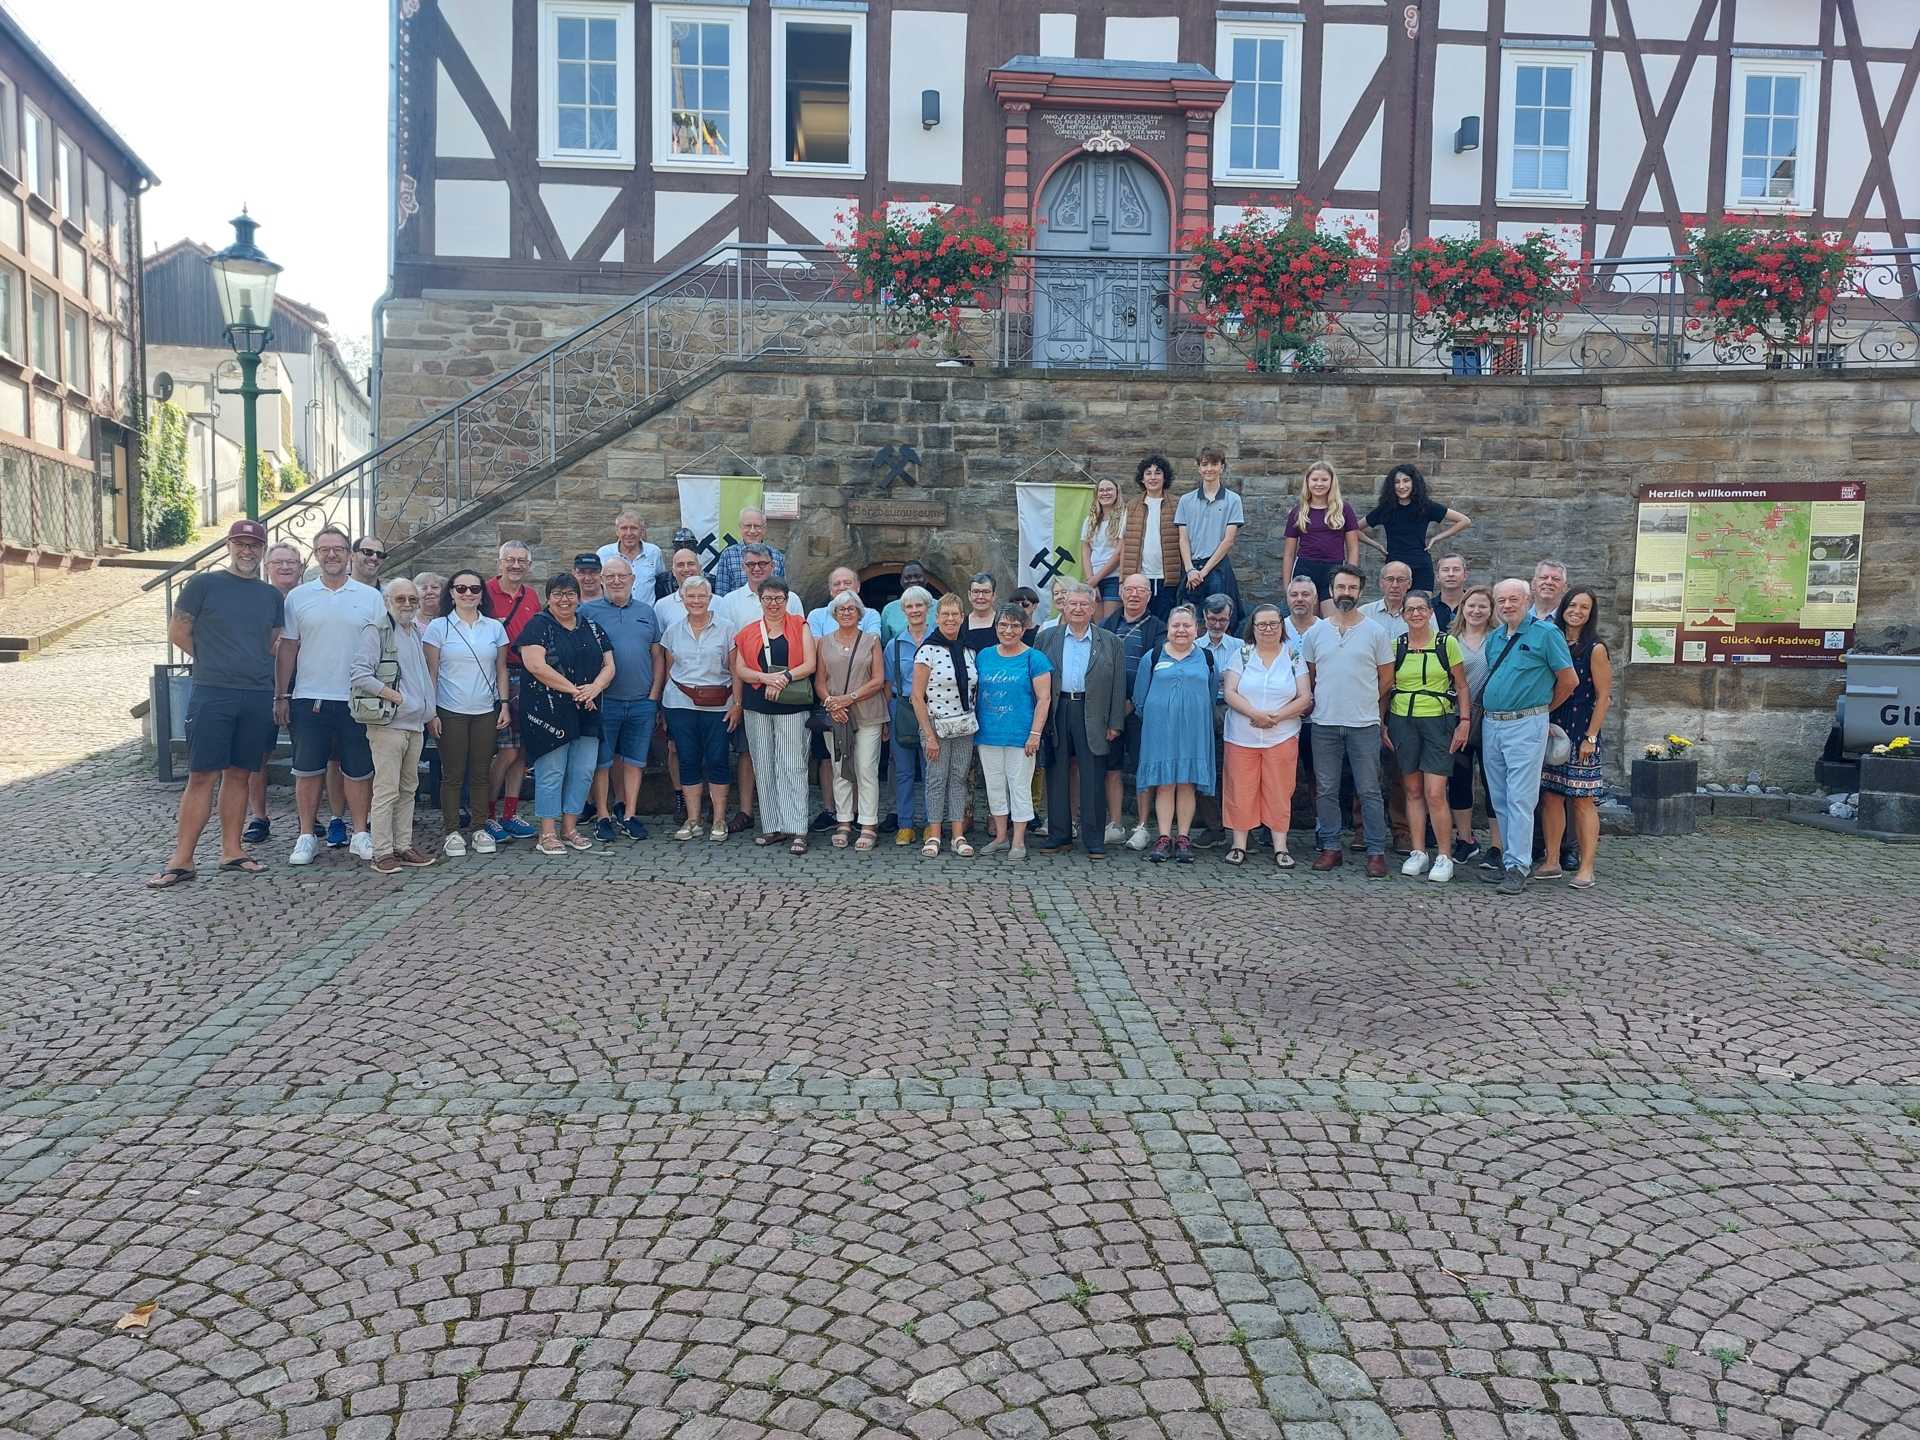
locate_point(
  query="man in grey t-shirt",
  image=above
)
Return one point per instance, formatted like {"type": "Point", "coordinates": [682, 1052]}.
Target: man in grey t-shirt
{"type": "Point", "coordinates": [228, 621]}
{"type": "Point", "coordinates": [1350, 658]}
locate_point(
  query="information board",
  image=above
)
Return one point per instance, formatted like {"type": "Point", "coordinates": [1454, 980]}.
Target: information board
{"type": "Point", "coordinates": [1758, 573]}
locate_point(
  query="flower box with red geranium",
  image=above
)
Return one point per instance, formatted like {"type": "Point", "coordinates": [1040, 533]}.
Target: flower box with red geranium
{"type": "Point", "coordinates": [1774, 284]}
{"type": "Point", "coordinates": [1471, 291]}
{"type": "Point", "coordinates": [1268, 284]}
{"type": "Point", "coordinates": [924, 272]}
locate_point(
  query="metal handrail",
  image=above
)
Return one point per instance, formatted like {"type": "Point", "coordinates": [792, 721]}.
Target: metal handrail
{"type": "Point", "coordinates": [741, 300]}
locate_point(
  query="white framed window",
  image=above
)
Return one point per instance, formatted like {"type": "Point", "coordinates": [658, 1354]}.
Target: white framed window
{"type": "Point", "coordinates": [1543, 125]}
{"type": "Point", "coordinates": [42, 348]}
{"type": "Point", "coordinates": [12, 288]}
{"type": "Point", "coordinates": [819, 92]}
{"type": "Point", "coordinates": [1257, 133]}
{"type": "Point", "coordinates": [73, 336]}
{"type": "Point", "coordinates": [586, 83]}
{"type": "Point", "coordinates": [72, 174]}
{"type": "Point", "coordinates": [36, 148]}
{"type": "Point", "coordinates": [700, 87]}
{"type": "Point", "coordinates": [1770, 133]}
{"type": "Point", "coordinates": [9, 127]}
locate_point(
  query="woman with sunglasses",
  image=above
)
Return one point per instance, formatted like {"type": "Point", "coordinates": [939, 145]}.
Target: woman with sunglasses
{"type": "Point", "coordinates": [390, 664]}
{"type": "Point", "coordinates": [569, 662]}
{"type": "Point", "coordinates": [467, 658]}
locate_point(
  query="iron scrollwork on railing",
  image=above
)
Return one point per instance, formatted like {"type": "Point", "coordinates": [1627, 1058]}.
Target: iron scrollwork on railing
{"type": "Point", "coordinates": [1115, 312]}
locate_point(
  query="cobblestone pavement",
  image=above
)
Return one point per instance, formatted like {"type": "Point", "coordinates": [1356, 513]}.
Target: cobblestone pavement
{"type": "Point", "coordinates": [704, 1142]}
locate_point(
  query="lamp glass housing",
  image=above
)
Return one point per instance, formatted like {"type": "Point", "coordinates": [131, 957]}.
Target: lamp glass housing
{"type": "Point", "coordinates": [244, 279]}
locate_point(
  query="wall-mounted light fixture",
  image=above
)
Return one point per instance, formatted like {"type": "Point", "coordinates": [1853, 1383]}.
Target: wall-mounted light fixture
{"type": "Point", "coordinates": [929, 109]}
{"type": "Point", "coordinates": [1467, 137]}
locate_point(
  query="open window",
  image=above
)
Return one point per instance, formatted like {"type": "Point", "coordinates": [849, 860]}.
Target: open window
{"type": "Point", "coordinates": [700, 87]}
{"type": "Point", "coordinates": [586, 83]}
{"type": "Point", "coordinates": [820, 91]}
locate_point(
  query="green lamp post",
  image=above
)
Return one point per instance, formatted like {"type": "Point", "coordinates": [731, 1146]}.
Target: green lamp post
{"type": "Point", "coordinates": [245, 280]}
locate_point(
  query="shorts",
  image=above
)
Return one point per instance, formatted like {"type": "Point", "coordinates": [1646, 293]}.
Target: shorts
{"type": "Point", "coordinates": [228, 729]}
{"type": "Point", "coordinates": [626, 728]}
{"type": "Point", "coordinates": [700, 746]}
{"type": "Point", "coordinates": [319, 728]}
{"type": "Point", "coordinates": [737, 737]}
{"type": "Point", "coordinates": [509, 738]}
{"type": "Point", "coordinates": [1110, 588]}
{"type": "Point", "coordinates": [1420, 743]}
{"type": "Point", "coordinates": [816, 747]}
{"type": "Point", "coordinates": [1123, 753]}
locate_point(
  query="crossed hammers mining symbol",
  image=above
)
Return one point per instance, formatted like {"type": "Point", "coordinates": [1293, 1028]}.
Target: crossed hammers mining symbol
{"type": "Point", "coordinates": [711, 550]}
{"type": "Point", "coordinates": [1050, 566]}
{"type": "Point", "coordinates": [896, 459]}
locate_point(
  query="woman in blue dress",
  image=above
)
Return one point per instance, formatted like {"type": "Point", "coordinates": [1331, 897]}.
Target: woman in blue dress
{"type": "Point", "coordinates": [1174, 692]}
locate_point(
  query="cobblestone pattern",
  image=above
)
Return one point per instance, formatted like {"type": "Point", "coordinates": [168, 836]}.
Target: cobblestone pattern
{"type": "Point", "coordinates": [720, 1145]}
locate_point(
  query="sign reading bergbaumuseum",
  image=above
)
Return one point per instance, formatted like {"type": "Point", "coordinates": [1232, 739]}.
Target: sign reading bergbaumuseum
{"type": "Point", "coordinates": [1758, 573]}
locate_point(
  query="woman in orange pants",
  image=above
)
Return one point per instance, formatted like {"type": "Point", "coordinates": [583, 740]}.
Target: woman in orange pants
{"type": "Point", "coordinates": [1267, 690]}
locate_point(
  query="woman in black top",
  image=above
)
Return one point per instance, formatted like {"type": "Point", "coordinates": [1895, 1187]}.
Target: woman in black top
{"type": "Point", "coordinates": [1404, 512]}
{"type": "Point", "coordinates": [569, 662]}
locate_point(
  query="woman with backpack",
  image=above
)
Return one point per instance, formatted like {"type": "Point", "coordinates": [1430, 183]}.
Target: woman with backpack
{"type": "Point", "coordinates": [393, 696]}
{"type": "Point", "coordinates": [1173, 694]}
{"type": "Point", "coordinates": [1425, 725]}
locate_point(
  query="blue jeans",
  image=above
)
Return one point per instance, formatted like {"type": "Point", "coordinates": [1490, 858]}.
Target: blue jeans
{"type": "Point", "coordinates": [626, 728]}
{"type": "Point", "coordinates": [562, 778]}
{"type": "Point", "coordinates": [909, 769]}
{"type": "Point", "coordinates": [1360, 745]}
{"type": "Point", "coordinates": [1511, 754]}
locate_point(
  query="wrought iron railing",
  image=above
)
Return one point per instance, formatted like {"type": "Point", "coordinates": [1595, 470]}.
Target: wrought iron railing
{"type": "Point", "coordinates": [745, 302]}
{"type": "Point", "coordinates": [1142, 311]}
{"type": "Point", "coordinates": [48, 504]}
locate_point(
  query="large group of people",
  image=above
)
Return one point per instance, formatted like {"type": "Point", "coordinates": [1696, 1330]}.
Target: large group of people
{"type": "Point", "coordinates": [1150, 676]}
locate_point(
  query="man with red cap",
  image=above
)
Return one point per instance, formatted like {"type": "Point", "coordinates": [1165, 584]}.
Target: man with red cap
{"type": "Point", "coordinates": [227, 621]}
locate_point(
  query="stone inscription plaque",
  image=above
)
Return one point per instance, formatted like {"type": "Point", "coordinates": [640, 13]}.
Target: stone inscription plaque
{"type": "Point", "coordinates": [896, 512]}
{"type": "Point", "coordinates": [1082, 125]}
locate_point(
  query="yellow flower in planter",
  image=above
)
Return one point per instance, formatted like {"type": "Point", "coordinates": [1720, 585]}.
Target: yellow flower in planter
{"type": "Point", "coordinates": [1898, 743]}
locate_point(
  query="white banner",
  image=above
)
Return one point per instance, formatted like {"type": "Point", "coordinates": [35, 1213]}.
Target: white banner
{"type": "Point", "coordinates": [710, 507]}
{"type": "Point", "coordinates": [1051, 519]}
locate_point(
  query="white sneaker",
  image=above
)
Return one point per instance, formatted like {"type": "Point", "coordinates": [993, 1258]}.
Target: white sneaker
{"type": "Point", "coordinates": [1139, 839]}
{"type": "Point", "coordinates": [482, 842]}
{"type": "Point", "coordinates": [454, 846]}
{"type": "Point", "coordinates": [1116, 833]}
{"type": "Point", "coordinates": [362, 846]}
{"type": "Point", "coordinates": [1442, 870]}
{"type": "Point", "coordinates": [1416, 864]}
{"type": "Point", "coordinates": [304, 849]}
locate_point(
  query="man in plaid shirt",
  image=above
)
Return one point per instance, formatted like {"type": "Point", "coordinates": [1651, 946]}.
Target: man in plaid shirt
{"type": "Point", "coordinates": [729, 573]}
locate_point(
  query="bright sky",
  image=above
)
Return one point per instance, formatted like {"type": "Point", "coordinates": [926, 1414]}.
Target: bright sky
{"type": "Point", "coordinates": [309, 161]}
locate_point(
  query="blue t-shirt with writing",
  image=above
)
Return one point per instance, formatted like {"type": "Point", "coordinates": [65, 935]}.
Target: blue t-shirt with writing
{"type": "Point", "coordinates": [1006, 701]}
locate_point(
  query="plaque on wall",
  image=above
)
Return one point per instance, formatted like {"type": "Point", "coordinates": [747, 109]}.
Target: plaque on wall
{"type": "Point", "coordinates": [896, 512]}
{"type": "Point", "coordinates": [1105, 131]}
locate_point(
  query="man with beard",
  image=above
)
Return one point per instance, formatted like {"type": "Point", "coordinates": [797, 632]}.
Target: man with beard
{"type": "Point", "coordinates": [1350, 657]}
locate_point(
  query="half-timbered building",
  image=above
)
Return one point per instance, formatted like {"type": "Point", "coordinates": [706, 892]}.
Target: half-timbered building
{"type": "Point", "coordinates": [588, 145]}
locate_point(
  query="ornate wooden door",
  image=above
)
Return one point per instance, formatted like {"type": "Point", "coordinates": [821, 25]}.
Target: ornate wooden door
{"type": "Point", "coordinates": [1103, 303]}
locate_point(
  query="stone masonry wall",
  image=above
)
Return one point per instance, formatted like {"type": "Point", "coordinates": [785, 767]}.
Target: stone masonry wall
{"type": "Point", "coordinates": [1545, 466]}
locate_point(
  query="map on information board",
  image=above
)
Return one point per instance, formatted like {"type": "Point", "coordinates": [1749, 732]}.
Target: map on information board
{"type": "Point", "coordinates": [1755, 573]}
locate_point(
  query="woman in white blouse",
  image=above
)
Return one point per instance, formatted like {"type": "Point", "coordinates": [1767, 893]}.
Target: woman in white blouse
{"type": "Point", "coordinates": [467, 658]}
{"type": "Point", "coordinates": [1267, 690]}
{"type": "Point", "coordinates": [945, 681]}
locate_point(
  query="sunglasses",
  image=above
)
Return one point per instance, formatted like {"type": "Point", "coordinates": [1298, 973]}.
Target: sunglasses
{"type": "Point", "coordinates": [467, 589]}
{"type": "Point", "coordinates": [1029, 604]}
{"type": "Point", "coordinates": [373, 554]}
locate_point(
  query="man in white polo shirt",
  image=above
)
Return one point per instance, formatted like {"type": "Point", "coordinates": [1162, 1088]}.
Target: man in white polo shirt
{"type": "Point", "coordinates": [324, 619]}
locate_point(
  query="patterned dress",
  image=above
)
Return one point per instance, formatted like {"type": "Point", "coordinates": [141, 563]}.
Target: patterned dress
{"type": "Point", "coordinates": [1574, 715]}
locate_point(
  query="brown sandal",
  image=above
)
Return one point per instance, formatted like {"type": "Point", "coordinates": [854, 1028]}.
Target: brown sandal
{"type": "Point", "coordinates": [799, 846]}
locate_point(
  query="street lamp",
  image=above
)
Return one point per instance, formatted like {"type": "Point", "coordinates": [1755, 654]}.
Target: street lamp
{"type": "Point", "coordinates": [244, 279]}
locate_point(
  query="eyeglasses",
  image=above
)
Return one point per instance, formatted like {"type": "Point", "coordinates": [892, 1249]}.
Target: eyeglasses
{"type": "Point", "coordinates": [1029, 604]}
{"type": "Point", "coordinates": [372, 554]}
{"type": "Point", "coordinates": [467, 589]}
{"type": "Point", "coordinates": [1266, 624]}
{"type": "Point", "coordinates": [406, 599]}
